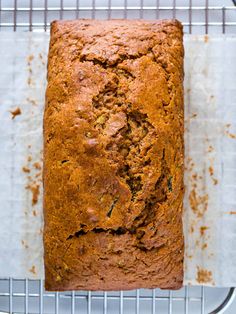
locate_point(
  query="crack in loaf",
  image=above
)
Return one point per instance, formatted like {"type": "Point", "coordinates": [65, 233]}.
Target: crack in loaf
{"type": "Point", "coordinates": [113, 147]}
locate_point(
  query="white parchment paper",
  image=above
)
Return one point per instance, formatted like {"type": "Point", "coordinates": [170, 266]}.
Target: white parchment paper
{"type": "Point", "coordinates": [210, 157]}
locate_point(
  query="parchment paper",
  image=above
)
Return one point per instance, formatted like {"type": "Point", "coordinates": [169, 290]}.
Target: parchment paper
{"type": "Point", "coordinates": [210, 157]}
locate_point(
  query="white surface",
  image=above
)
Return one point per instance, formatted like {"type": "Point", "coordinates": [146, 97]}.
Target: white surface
{"type": "Point", "coordinates": [210, 105]}
{"type": "Point", "coordinates": [209, 70]}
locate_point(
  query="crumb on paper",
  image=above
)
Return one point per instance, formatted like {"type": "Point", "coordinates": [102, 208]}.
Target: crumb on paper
{"type": "Point", "coordinates": [29, 81]}
{"type": "Point", "coordinates": [191, 229]}
{"type": "Point", "coordinates": [24, 244]}
{"type": "Point", "coordinates": [203, 229]}
{"type": "Point", "coordinates": [32, 101]}
{"type": "Point", "coordinates": [204, 275]}
{"type": "Point", "coordinates": [37, 166]}
{"type": "Point", "coordinates": [210, 148]}
{"type": "Point", "coordinates": [41, 58]}
{"type": "Point", "coordinates": [34, 188]}
{"type": "Point", "coordinates": [34, 213]}
{"type": "Point", "coordinates": [15, 112]}
{"type": "Point", "coordinates": [211, 172]}
{"type": "Point", "coordinates": [198, 203]}
{"type": "Point", "coordinates": [26, 169]}
{"type": "Point", "coordinates": [41, 231]}
{"type": "Point", "coordinates": [38, 175]}
{"type": "Point", "coordinates": [29, 158]}
{"type": "Point", "coordinates": [30, 58]}
{"type": "Point", "coordinates": [189, 165]}
{"type": "Point", "coordinates": [194, 115]}
{"type": "Point", "coordinates": [215, 181]}
{"type": "Point", "coordinates": [204, 246]}
{"type": "Point", "coordinates": [230, 135]}
{"type": "Point", "coordinates": [33, 270]}
{"type": "Point", "coordinates": [206, 39]}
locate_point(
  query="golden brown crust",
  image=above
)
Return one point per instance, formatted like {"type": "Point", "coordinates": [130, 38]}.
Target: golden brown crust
{"type": "Point", "coordinates": [113, 155]}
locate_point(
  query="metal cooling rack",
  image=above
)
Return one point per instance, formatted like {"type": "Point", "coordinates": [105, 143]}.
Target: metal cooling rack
{"type": "Point", "coordinates": [199, 17]}
{"type": "Point", "coordinates": [28, 296]}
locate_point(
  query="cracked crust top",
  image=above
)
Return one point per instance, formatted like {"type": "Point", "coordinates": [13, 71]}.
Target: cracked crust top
{"type": "Point", "coordinates": [113, 155]}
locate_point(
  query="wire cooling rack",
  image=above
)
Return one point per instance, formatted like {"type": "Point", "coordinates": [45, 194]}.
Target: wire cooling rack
{"type": "Point", "coordinates": [28, 296]}
{"type": "Point", "coordinates": [199, 17]}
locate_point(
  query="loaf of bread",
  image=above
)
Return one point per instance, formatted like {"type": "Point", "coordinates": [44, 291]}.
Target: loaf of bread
{"type": "Point", "coordinates": [113, 155]}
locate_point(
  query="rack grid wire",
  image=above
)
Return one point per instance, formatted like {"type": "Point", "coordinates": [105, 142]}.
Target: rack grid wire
{"type": "Point", "coordinates": [198, 17]}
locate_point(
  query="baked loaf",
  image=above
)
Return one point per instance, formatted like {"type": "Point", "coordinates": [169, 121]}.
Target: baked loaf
{"type": "Point", "coordinates": [113, 155]}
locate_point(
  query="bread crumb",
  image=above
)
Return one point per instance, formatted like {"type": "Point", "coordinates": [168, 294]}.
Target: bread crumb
{"type": "Point", "coordinates": [227, 133]}
{"type": "Point", "coordinates": [41, 58]}
{"type": "Point", "coordinates": [34, 213]}
{"type": "Point", "coordinates": [211, 171]}
{"type": "Point", "coordinates": [33, 270]}
{"type": "Point", "coordinates": [198, 204]}
{"type": "Point", "coordinates": [15, 112]}
{"type": "Point", "coordinates": [210, 149]}
{"type": "Point", "coordinates": [37, 165]}
{"type": "Point", "coordinates": [32, 101]}
{"type": "Point", "coordinates": [204, 246]}
{"type": "Point", "coordinates": [29, 157]}
{"type": "Point", "coordinates": [204, 275]}
{"type": "Point", "coordinates": [194, 115]}
{"type": "Point", "coordinates": [203, 229]}
{"type": "Point", "coordinates": [26, 169]}
{"type": "Point", "coordinates": [231, 135]}
{"type": "Point", "coordinates": [24, 244]}
{"type": "Point", "coordinates": [29, 81]}
{"type": "Point", "coordinates": [206, 39]}
{"type": "Point", "coordinates": [30, 58]}
{"type": "Point", "coordinates": [34, 188]}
